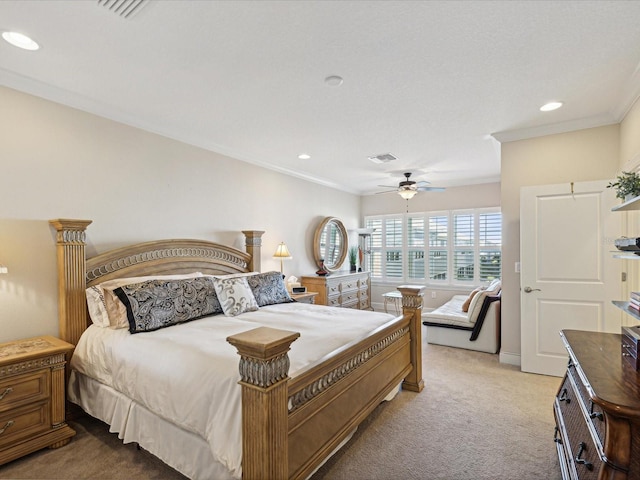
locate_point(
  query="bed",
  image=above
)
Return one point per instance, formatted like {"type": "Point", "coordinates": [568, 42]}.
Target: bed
{"type": "Point", "coordinates": [295, 406]}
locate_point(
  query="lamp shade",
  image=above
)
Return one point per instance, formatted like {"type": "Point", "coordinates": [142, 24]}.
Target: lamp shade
{"type": "Point", "coordinates": [282, 251]}
{"type": "Point", "coordinates": [407, 194]}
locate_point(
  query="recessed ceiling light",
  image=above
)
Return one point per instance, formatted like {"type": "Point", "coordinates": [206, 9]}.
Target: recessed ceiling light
{"type": "Point", "coordinates": [547, 107]}
{"type": "Point", "coordinates": [19, 40]}
{"type": "Point", "coordinates": [333, 80]}
{"type": "Point", "coordinates": [304, 156]}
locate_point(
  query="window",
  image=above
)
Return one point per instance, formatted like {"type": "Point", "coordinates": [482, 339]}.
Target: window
{"type": "Point", "coordinates": [450, 248]}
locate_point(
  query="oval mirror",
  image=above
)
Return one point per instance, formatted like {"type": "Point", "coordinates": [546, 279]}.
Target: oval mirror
{"type": "Point", "coordinates": [330, 244]}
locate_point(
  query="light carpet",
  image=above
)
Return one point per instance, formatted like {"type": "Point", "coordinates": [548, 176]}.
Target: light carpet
{"type": "Point", "coordinates": [475, 419]}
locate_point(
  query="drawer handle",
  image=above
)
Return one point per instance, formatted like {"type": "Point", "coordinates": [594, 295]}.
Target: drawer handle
{"type": "Point", "coordinates": [555, 436]}
{"type": "Point", "coordinates": [6, 392]}
{"type": "Point", "coordinates": [582, 461]}
{"type": "Point", "coordinates": [564, 396]}
{"type": "Point", "coordinates": [593, 414]}
{"type": "Point", "coordinates": [9, 424]}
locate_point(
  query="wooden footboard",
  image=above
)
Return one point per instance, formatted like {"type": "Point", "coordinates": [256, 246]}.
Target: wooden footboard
{"type": "Point", "coordinates": [291, 425]}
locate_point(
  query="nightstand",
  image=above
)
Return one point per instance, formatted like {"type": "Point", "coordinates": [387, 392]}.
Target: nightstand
{"type": "Point", "coordinates": [306, 297]}
{"type": "Point", "coordinates": [32, 396]}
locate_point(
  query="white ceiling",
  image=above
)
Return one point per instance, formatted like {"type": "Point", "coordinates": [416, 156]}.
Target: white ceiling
{"type": "Point", "coordinates": [430, 82]}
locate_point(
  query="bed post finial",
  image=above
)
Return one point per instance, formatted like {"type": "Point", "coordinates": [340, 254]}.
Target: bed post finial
{"type": "Point", "coordinates": [412, 305]}
{"type": "Point", "coordinates": [264, 368]}
{"type": "Point", "coordinates": [253, 244]}
{"type": "Point", "coordinates": [72, 307]}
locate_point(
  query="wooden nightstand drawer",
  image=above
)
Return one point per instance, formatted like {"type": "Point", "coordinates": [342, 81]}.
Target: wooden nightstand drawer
{"type": "Point", "coordinates": [21, 389]}
{"type": "Point", "coordinates": [24, 422]}
{"type": "Point", "coordinates": [32, 399]}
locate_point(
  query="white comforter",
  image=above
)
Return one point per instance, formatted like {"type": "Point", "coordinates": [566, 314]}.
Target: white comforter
{"type": "Point", "coordinates": [188, 374]}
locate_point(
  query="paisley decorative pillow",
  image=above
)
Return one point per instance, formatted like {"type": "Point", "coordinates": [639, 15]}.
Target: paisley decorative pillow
{"type": "Point", "coordinates": [269, 288]}
{"type": "Point", "coordinates": [155, 304]}
{"type": "Point", "coordinates": [235, 295]}
{"type": "Point", "coordinates": [105, 310]}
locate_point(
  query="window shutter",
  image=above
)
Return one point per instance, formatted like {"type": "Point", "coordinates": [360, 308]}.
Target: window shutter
{"type": "Point", "coordinates": [415, 254]}
{"type": "Point", "coordinates": [393, 238]}
{"type": "Point", "coordinates": [438, 247]}
{"type": "Point", "coordinates": [490, 245]}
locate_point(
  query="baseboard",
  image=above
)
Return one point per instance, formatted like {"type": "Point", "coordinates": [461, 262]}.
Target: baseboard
{"type": "Point", "coordinates": [510, 358]}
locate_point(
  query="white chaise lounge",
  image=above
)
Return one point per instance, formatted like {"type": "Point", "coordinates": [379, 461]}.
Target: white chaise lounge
{"type": "Point", "coordinates": [477, 329]}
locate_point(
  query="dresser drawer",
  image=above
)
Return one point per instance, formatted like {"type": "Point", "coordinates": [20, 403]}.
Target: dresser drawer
{"type": "Point", "coordinates": [593, 411]}
{"type": "Point", "coordinates": [333, 301]}
{"type": "Point", "coordinates": [24, 422]}
{"type": "Point", "coordinates": [349, 285]}
{"type": "Point", "coordinates": [333, 289]}
{"type": "Point", "coordinates": [22, 389]}
{"type": "Point", "coordinates": [581, 452]}
{"type": "Point", "coordinates": [349, 298]}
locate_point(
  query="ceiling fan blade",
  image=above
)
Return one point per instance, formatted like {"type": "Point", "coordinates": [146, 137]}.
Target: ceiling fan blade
{"type": "Point", "coordinates": [388, 191]}
{"type": "Point", "coordinates": [388, 186]}
{"type": "Point", "coordinates": [423, 183]}
{"type": "Point", "coordinates": [431, 189]}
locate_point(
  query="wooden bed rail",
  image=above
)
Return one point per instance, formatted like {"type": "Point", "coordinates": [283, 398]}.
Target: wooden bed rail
{"type": "Point", "coordinates": [289, 426]}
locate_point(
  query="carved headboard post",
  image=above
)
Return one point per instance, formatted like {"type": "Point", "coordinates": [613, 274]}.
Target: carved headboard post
{"type": "Point", "coordinates": [412, 305]}
{"type": "Point", "coordinates": [72, 307]}
{"type": "Point", "coordinates": [253, 245]}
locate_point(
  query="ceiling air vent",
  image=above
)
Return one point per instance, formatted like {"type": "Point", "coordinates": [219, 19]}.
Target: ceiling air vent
{"type": "Point", "coordinates": [124, 8]}
{"type": "Point", "coordinates": [383, 158]}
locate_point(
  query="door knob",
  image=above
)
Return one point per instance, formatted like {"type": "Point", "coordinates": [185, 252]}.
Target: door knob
{"type": "Point", "coordinates": [529, 289]}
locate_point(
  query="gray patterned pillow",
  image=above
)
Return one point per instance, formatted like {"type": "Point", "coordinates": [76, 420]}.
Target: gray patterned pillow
{"type": "Point", "coordinates": [235, 295]}
{"type": "Point", "coordinates": [269, 288]}
{"type": "Point", "coordinates": [155, 304]}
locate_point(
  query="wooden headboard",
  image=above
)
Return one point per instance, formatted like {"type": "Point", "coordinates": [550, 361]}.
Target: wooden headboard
{"type": "Point", "coordinates": [76, 273]}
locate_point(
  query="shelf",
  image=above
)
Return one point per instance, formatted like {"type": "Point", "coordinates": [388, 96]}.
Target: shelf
{"type": "Point", "coordinates": [628, 256]}
{"type": "Point", "coordinates": [624, 306]}
{"type": "Point", "coordinates": [633, 204]}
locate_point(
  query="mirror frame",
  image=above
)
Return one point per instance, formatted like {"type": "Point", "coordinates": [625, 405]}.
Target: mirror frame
{"type": "Point", "coordinates": [318, 255]}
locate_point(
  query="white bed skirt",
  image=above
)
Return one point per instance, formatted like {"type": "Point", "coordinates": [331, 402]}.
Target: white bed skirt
{"type": "Point", "coordinates": [182, 450]}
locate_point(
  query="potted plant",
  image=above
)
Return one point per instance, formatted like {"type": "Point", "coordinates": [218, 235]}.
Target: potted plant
{"type": "Point", "coordinates": [353, 258]}
{"type": "Point", "coordinates": [627, 185]}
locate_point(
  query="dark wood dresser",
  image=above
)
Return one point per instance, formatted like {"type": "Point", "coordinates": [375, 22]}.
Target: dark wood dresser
{"type": "Point", "coordinates": [597, 410]}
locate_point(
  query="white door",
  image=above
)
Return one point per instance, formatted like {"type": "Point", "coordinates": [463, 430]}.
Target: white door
{"type": "Point", "coordinates": [568, 274]}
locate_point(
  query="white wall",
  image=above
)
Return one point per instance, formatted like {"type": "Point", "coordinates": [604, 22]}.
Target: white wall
{"type": "Point", "coordinates": [584, 155]}
{"type": "Point", "coordinates": [58, 162]}
{"type": "Point", "coordinates": [472, 196]}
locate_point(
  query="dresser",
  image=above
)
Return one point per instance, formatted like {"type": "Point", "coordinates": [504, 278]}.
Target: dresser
{"type": "Point", "coordinates": [32, 396]}
{"type": "Point", "coordinates": [341, 289]}
{"type": "Point", "coordinates": [597, 410]}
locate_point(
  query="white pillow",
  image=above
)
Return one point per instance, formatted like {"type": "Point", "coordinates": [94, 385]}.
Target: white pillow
{"type": "Point", "coordinates": [495, 286]}
{"type": "Point", "coordinates": [106, 310]}
{"type": "Point", "coordinates": [235, 295]}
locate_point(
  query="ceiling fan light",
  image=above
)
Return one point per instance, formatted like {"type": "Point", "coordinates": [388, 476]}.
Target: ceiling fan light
{"type": "Point", "coordinates": [407, 194]}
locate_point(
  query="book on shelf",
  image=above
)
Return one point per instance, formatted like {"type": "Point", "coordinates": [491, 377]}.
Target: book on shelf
{"type": "Point", "coordinates": [634, 302]}
{"type": "Point", "coordinates": [635, 296]}
{"type": "Point", "coordinates": [634, 307]}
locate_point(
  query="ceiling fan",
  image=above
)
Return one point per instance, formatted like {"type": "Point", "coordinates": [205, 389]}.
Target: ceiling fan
{"type": "Point", "coordinates": [408, 188]}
